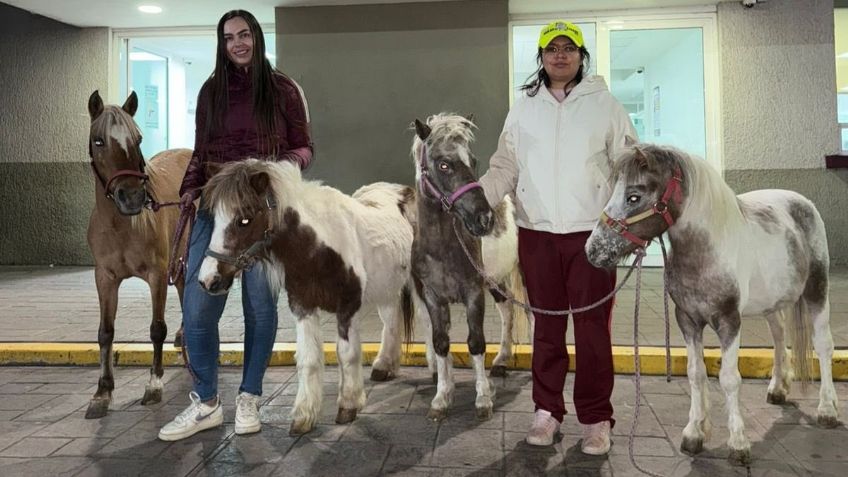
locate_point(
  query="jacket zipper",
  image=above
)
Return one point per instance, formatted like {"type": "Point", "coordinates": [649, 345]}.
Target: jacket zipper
{"type": "Point", "coordinates": [556, 177]}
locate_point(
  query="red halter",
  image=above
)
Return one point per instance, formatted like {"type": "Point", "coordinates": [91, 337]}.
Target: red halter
{"type": "Point", "coordinates": [673, 191]}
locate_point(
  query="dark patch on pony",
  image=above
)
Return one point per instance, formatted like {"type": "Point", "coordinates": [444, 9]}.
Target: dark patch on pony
{"type": "Point", "coordinates": [316, 276]}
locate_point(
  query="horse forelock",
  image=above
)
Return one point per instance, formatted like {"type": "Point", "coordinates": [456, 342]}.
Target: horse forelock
{"type": "Point", "coordinates": [231, 192]}
{"type": "Point", "coordinates": [116, 124]}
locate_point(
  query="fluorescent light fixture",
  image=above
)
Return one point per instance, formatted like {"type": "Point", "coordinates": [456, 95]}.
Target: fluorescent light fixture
{"type": "Point", "coordinates": [843, 56]}
{"type": "Point", "coordinates": [149, 9]}
{"type": "Point", "coordinates": [144, 56]}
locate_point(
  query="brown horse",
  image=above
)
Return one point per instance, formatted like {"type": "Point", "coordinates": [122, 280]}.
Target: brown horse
{"type": "Point", "coordinates": [126, 237]}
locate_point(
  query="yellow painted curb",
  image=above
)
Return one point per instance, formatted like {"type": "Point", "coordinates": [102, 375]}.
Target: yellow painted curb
{"type": "Point", "coordinates": [753, 362]}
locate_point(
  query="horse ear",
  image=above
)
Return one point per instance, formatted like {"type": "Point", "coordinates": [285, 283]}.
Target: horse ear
{"type": "Point", "coordinates": [213, 168]}
{"type": "Point", "coordinates": [630, 141]}
{"type": "Point", "coordinates": [422, 129]}
{"type": "Point", "coordinates": [131, 104]}
{"type": "Point", "coordinates": [259, 182]}
{"type": "Point", "coordinates": [641, 158]}
{"type": "Point", "coordinates": [470, 118]}
{"type": "Point", "coordinates": [95, 105]}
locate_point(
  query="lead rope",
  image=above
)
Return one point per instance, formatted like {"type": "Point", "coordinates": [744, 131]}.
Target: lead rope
{"type": "Point", "coordinates": [640, 253]}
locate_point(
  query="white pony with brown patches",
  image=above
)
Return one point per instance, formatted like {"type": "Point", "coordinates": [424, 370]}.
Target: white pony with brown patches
{"type": "Point", "coordinates": [331, 252]}
{"type": "Point", "coordinates": [759, 253]}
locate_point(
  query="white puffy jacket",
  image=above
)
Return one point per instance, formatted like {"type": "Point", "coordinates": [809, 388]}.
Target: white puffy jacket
{"type": "Point", "coordinates": [557, 157]}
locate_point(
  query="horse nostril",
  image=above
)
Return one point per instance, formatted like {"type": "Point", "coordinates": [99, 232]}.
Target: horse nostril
{"type": "Point", "coordinates": [203, 285]}
{"type": "Point", "coordinates": [120, 194]}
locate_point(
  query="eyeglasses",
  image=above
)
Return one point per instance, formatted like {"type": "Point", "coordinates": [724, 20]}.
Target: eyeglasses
{"type": "Point", "coordinates": [566, 50]}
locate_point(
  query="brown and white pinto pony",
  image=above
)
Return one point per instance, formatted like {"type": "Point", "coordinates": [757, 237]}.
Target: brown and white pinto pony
{"type": "Point", "coordinates": [448, 193]}
{"type": "Point", "coordinates": [759, 253]}
{"type": "Point", "coordinates": [126, 238]}
{"type": "Point", "coordinates": [331, 252]}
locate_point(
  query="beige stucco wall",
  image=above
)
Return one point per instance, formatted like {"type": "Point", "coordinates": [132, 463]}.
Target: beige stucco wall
{"type": "Point", "coordinates": [48, 70]}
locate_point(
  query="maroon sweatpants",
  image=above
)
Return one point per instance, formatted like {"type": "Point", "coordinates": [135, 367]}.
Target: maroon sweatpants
{"type": "Point", "coordinates": [559, 276]}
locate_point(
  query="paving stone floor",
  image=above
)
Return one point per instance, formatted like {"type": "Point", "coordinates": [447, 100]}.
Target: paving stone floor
{"type": "Point", "coordinates": [43, 432]}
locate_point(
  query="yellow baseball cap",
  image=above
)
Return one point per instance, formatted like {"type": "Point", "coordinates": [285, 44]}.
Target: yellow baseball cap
{"type": "Point", "coordinates": [560, 28]}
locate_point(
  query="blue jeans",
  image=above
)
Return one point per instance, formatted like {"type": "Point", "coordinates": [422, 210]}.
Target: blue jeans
{"type": "Point", "coordinates": [202, 312]}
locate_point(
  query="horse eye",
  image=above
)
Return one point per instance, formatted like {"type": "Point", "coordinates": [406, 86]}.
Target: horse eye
{"type": "Point", "coordinates": [244, 222]}
{"type": "Point", "coordinates": [444, 166]}
{"type": "Point", "coordinates": [98, 142]}
{"type": "Point", "coordinates": [633, 199]}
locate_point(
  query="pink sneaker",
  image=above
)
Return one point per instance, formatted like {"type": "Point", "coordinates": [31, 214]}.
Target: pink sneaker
{"type": "Point", "coordinates": [544, 429]}
{"type": "Point", "coordinates": [596, 438]}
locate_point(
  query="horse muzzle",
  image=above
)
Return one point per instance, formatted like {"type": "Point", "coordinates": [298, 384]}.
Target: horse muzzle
{"type": "Point", "coordinates": [129, 200]}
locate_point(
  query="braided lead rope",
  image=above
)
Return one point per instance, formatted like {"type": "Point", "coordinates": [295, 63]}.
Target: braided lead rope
{"type": "Point", "coordinates": [638, 375]}
{"type": "Point", "coordinates": [640, 253]}
{"type": "Point", "coordinates": [665, 310]}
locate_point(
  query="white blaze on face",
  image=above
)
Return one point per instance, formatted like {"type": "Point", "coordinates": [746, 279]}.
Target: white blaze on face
{"type": "Point", "coordinates": [122, 135]}
{"type": "Point", "coordinates": [617, 202]}
{"type": "Point", "coordinates": [209, 268]}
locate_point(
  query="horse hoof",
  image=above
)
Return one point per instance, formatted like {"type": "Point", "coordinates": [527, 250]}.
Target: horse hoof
{"type": "Point", "coordinates": [740, 456]}
{"type": "Point", "coordinates": [435, 378]}
{"type": "Point", "coordinates": [776, 398]}
{"type": "Point", "coordinates": [498, 371]}
{"type": "Point", "coordinates": [484, 413]}
{"type": "Point", "coordinates": [178, 340]}
{"type": "Point", "coordinates": [691, 446]}
{"type": "Point", "coordinates": [151, 396]}
{"type": "Point", "coordinates": [97, 408]}
{"type": "Point", "coordinates": [827, 422]}
{"type": "Point", "coordinates": [299, 428]}
{"type": "Point", "coordinates": [345, 416]}
{"type": "Point", "coordinates": [437, 415]}
{"type": "Point", "coordinates": [380, 375]}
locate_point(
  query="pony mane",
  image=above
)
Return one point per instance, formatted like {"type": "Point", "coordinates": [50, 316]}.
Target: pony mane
{"type": "Point", "coordinates": [709, 200]}
{"type": "Point", "coordinates": [231, 191]}
{"type": "Point", "coordinates": [444, 128]}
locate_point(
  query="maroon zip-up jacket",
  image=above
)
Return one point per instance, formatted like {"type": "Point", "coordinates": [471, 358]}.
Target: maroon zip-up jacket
{"type": "Point", "coordinates": [239, 138]}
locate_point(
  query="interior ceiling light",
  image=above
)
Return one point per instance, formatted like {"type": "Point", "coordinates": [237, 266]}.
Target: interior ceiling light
{"type": "Point", "coordinates": [149, 9]}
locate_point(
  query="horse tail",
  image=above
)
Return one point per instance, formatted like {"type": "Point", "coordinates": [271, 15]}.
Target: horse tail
{"type": "Point", "coordinates": [408, 311]}
{"type": "Point", "coordinates": [802, 353]}
{"type": "Point", "coordinates": [520, 316]}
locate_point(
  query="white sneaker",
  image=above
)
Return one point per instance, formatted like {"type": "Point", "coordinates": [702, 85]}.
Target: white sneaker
{"type": "Point", "coordinates": [197, 417]}
{"type": "Point", "coordinates": [596, 438]}
{"type": "Point", "coordinates": [544, 429]}
{"type": "Point", "coordinates": [247, 413]}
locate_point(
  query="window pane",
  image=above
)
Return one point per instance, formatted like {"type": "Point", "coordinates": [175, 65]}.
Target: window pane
{"type": "Point", "coordinates": [840, 17]}
{"type": "Point", "coordinates": [845, 139]}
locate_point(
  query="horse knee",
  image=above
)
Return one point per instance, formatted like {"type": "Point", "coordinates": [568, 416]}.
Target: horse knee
{"type": "Point", "coordinates": [441, 344]}
{"type": "Point", "coordinates": [476, 345]}
{"type": "Point", "coordinates": [158, 331]}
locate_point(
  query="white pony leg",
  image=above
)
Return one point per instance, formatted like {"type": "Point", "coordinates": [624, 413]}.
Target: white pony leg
{"type": "Point", "coordinates": [351, 388]}
{"type": "Point", "coordinates": [781, 373]}
{"type": "Point", "coordinates": [310, 370]}
{"type": "Point", "coordinates": [698, 429]}
{"type": "Point", "coordinates": [823, 343]}
{"type": "Point", "coordinates": [505, 353]}
{"type": "Point", "coordinates": [485, 390]}
{"type": "Point", "coordinates": [444, 388]}
{"type": "Point", "coordinates": [730, 379]}
{"type": "Point", "coordinates": [387, 363]}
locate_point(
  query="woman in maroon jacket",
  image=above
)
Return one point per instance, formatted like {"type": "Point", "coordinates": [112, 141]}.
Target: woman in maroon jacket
{"type": "Point", "coordinates": [245, 109]}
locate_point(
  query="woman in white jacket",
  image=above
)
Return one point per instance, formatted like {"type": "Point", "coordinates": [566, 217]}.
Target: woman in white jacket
{"type": "Point", "coordinates": [555, 154]}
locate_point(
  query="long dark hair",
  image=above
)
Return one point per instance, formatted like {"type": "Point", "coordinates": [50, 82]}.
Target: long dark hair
{"type": "Point", "coordinates": [540, 76]}
{"type": "Point", "coordinates": [261, 72]}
